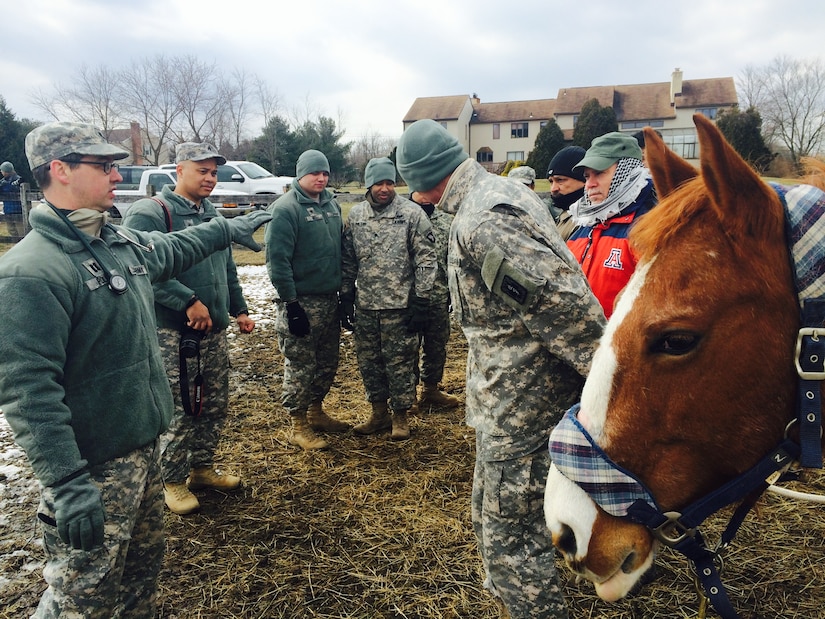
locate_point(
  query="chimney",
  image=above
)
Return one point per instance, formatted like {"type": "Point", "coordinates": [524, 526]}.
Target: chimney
{"type": "Point", "coordinates": [137, 143]}
{"type": "Point", "coordinates": [675, 85]}
{"type": "Point", "coordinates": [475, 99]}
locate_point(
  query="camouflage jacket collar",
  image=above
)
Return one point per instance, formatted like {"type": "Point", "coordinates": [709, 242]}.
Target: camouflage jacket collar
{"type": "Point", "coordinates": [459, 185]}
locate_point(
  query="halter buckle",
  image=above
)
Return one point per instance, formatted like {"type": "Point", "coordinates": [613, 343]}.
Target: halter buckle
{"type": "Point", "coordinates": [672, 531]}
{"type": "Point", "coordinates": [814, 333]}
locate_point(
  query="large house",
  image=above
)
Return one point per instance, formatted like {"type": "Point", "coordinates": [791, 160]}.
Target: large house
{"type": "Point", "coordinates": [494, 133]}
{"type": "Point", "coordinates": [137, 141]}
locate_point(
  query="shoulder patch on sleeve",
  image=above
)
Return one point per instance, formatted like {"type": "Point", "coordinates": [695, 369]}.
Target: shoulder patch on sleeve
{"type": "Point", "coordinates": [512, 285]}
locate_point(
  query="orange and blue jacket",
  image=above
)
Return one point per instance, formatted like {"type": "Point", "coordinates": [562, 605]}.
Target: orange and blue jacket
{"type": "Point", "coordinates": [604, 253]}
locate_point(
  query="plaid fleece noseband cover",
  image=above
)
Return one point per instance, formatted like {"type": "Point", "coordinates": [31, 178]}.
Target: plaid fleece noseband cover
{"type": "Point", "coordinates": [577, 456]}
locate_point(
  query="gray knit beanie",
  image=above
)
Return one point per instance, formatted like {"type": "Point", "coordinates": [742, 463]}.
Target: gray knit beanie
{"type": "Point", "coordinates": [311, 161]}
{"type": "Point", "coordinates": [427, 154]}
{"type": "Point", "coordinates": [377, 170]}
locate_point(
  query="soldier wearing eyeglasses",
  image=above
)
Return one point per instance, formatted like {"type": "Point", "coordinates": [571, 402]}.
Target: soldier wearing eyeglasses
{"type": "Point", "coordinates": [83, 386]}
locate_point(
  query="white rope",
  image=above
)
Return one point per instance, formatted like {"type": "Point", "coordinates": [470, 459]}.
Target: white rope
{"type": "Point", "coordinates": [793, 494]}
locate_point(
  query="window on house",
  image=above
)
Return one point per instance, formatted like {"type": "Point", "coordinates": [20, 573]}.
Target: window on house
{"type": "Point", "coordinates": [709, 112]}
{"type": "Point", "coordinates": [443, 123]}
{"type": "Point", "coordinates": [575, 120]}
{"type": "Point", "coordinates": [686, 146]}
{"type": "Point", "coordinates": [542, 124]}
{"type": "Point", "coordinates": [496, 131]}
{"type": "Point", "coordinates": [515, 155]}
{"type": "Point", "coordinates": [519, 130]}
{"type": "Point", "coordinates": [641, 124]}
{"type": "Point", "coordinates": [484, 155]}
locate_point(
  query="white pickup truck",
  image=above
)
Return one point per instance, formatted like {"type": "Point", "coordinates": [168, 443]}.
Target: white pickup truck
{"type": "Point", "coordinates": [157, 178]}
{"type": "Point", "coordinates": [246, 177]}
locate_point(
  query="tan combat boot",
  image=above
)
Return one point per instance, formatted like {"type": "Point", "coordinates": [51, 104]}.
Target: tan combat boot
{"type": "Point", "coordinates": [400, 426]}
{"type": "Point", "coordinates": [378, 422]}
{"type": "Point", "coordinates": [303, 436]}
{"type": "Point", "coordinates": [179, 500]}
{"type": "Point", "coordinates": [432, 397]}
{"type": "Point", "coordinates": [207, 477]}
{"type": "Point", "coordinates": [321, 422]}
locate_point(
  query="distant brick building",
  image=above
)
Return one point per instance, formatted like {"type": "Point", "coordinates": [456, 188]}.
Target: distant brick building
{"type": "Point", "coordinates": [494, 133]}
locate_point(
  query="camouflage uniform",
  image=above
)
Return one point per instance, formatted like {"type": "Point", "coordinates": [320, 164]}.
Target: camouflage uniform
{"type": "Point", "coordinates": [532, 325]}
{"type": "Point", "coordinates": [433, 340]}
{"type": "Point", "coordinates": [190, 442]}
{"type": "Point", "coordinates": [390, 251]}
{"type": "Point", "coordinates": [131, 488]}
{"type": "Point", "coordinates": [310, 362]}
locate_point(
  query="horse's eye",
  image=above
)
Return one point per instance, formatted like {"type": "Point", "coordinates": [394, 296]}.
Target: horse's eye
{"type": "Point", "coordinates": [676, 343]}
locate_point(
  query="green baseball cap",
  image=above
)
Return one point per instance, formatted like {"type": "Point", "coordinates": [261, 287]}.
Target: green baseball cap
{"type": "Point", "coordinates": [607, 149]}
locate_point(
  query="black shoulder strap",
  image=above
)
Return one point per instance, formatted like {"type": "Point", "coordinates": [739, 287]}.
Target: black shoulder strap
{"type": "Point", "coordinates": [166, 213]}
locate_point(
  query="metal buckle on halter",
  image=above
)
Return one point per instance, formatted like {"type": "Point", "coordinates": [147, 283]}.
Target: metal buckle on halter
{"type": "Point", "coordinates": [672, 531]}
{"type": "Point", "coordinates": [814, 333]}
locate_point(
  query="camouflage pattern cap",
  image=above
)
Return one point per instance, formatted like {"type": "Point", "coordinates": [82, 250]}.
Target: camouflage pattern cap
{"type": "Point", "coordinates": [197, 151]}
{"type": "Point", "coordinates": [523, 173]}
{"type": "Point", "coordinates": [61, 139]}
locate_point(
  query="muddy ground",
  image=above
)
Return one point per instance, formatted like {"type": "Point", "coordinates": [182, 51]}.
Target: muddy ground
{"type": "Point", "coordinates": [371, 528]}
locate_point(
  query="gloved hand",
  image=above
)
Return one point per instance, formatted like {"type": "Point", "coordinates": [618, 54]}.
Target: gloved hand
{"type": "Point", "coordinates": [297, 320]}
{"type": "Point", "coordinates": [417, 314]}
{"type": "Point", "coordinates": [78, 510]}
{"type": "Point", "coordinates": [242, 227]}
{"type": "Point", "coordinates": [346, 310]}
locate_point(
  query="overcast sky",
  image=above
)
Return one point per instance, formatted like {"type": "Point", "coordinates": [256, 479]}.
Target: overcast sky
{"type": "Point", "coordinates": [365, 61]}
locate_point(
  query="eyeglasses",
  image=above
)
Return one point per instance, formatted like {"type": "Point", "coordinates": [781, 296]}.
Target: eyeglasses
{"type": "Point", "coordinates": [107, 166]}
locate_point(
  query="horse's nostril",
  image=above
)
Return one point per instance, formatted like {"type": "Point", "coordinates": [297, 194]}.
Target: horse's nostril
{"type": "Point", "coordinates": [627, 564]}
{"type": "Point", "coordinates": [566, 541]}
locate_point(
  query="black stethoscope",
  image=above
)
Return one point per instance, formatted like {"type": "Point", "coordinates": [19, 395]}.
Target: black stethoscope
{"type": "Point", "coordinates": [114, 280]}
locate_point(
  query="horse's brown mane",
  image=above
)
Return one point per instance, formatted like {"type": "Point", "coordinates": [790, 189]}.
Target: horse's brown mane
{"type": "Point", "coordinates": [654, 230]}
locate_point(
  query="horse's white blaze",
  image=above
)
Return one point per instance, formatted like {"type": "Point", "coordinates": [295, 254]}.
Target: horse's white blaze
{"type": "Point", "coordinates": [597, 387]}
{"type": "Point", "coordinates": [566, 503]}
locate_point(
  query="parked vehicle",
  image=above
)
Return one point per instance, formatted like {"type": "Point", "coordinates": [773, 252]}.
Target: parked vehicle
{"type": "Point", "coordinates": [247, 177]}
{"type": "Point", "coordinates": [131, 175]}
{"type": "Point", "coordinates": [157, 178]}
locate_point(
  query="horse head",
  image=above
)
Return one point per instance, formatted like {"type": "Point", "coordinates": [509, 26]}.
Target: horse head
{"type": "Point", "coordinates": [693, 381]}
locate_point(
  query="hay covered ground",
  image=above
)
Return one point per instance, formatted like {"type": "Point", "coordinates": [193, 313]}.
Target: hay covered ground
{"type": "Point", "coordinates": [376, 529]}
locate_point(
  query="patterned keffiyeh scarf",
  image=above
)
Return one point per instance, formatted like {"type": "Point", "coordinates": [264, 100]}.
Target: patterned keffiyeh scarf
{"type": "Point", "coordinates": [628, 181]}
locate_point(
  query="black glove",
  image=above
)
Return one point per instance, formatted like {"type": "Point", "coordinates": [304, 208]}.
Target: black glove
{"type": "Point", "coordinates": [417, 314]}
{"type": "Point", "coordinates": [78, 510]}
{"type": "Point", "coordinates": [242, 227]}
{"type": "Point", "coordinates": [346, 310]}
{"type": "Point", "coordinates": [297, 319]}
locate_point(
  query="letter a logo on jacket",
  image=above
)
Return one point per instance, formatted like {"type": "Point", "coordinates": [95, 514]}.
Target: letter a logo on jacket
{"type": "Point", "coordinates": [614, 260]}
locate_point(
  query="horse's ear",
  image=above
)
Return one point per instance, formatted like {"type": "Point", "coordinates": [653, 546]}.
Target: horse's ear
{"type": "Point", "coordinates": [667, 168]}
{"type": "Point", "coordinates": [733, 184]}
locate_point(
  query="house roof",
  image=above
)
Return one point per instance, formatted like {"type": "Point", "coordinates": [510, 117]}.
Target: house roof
{"type": "Point", "coordinates": [510, 111]}
{"type": "Point", "coordinates": [649, 101]}
{"type": "Point", "coordinates": [437, 108]}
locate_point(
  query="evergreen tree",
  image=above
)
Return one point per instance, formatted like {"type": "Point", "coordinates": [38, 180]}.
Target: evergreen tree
{"type": "Point", "coordinates": [744, 132]}
{"type": "Point", "coordinates": [12, 141]}
{"type": "Point", "coordinates": [594, 121]}
{"type": "Point", "coordinates": [274, 149]}
{"type": "Point", "coordinates": [549, 141]}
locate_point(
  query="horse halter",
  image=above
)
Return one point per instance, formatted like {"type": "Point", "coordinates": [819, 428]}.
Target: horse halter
{"type": "Point", "coordinates": [618, 492]}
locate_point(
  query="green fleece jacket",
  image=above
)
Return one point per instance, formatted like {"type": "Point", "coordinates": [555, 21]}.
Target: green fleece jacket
{"type": "Point", "coordinates": [82, 380]}
{"type": "Point", "coordinates": [215, 280]}
{"type": "Point", "coordinates": [303, 244]}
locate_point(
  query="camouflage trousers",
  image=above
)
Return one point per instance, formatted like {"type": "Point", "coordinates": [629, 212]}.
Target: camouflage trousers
{"type": "Point", "coordinates": [191, 441]}
{"type": "Point", "coordinates": [386, 355]}
{"type": "Point", "coordinates": [118, 579]}
{"type": "Point", "coordinates": [432, 344]}
{"type": "Point", "coordinates": [310, 362]}
{"type": "Point", "coordinates": [515, 544]}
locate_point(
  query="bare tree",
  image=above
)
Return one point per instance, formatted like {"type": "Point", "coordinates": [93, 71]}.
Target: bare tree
{"type": "Point", "coordinates": [89, 97]}
{"type": "Point", "coordinates": [369, 146]}
{"type": "Point", "coordinates": [148, 98]}
{"type": "Point", "coordinates": [203, 102]}
{"type": "Point", "coordinates": [789, 94]}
